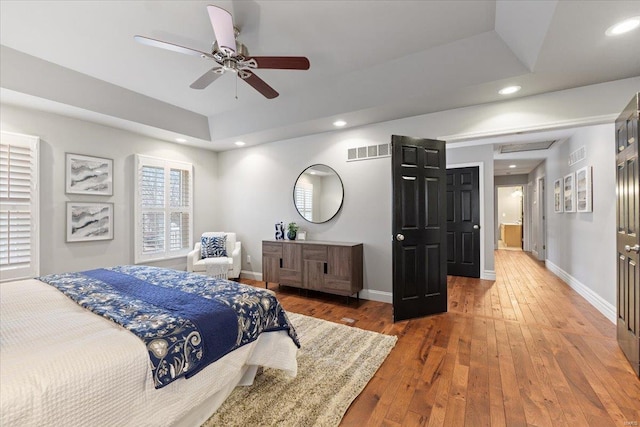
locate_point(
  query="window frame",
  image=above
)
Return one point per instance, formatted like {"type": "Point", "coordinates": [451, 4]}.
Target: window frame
{"type": "Point", "coordinates": [167, 165]}
{"type": "Point", "coordinates": [10, 273]}
{"type": "Point", "coordinates": [304, 193]}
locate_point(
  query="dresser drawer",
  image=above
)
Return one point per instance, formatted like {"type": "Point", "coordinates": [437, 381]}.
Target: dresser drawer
{"type": "Point", "coordinates": [272, 249]}
{"type": "Point", "coordinates": [314, 253]}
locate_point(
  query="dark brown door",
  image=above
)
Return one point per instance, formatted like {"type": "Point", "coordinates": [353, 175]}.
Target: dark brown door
{"type": "Point", "coordinates": [419, 227]}
{"type": "Point", "coordinates": [463, 222]}
{"type": "Point", "coordinates": [628, 240]}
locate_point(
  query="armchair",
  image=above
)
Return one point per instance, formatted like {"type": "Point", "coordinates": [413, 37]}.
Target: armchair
{"type": "Point", "coordinates": [196, 264]}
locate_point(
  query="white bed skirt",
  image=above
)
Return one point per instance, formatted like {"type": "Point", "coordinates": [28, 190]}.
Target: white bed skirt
{"type": "Point", "coordinates": [63, 365]}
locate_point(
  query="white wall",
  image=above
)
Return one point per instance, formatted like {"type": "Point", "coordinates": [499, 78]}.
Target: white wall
{"type": "Point", "coordinates": [257, 185]}
{"type": "Point", "coordinates": [581, 247]}
{"type": "Point", "coordinates": [252, 188]}
{"type": "Point", "coordinates": [256, 182]}
{"type": "Point", "coordinates": [330, 198]}
{"type": "Point", "coordinates": [509, 206]}
{"type": "Point", "coordinates": [59, 135]}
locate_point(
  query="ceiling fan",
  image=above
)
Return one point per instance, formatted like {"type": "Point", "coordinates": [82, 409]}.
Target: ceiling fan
{"type": "Point", "coordinates": [231, 55]}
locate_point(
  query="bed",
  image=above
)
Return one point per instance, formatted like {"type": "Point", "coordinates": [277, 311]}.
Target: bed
{"type": "Point", "coordinates": [61, 364]}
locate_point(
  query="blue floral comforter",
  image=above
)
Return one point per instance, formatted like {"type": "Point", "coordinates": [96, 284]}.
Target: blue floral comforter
{"type": "Point", "coordinates": [186, 320]}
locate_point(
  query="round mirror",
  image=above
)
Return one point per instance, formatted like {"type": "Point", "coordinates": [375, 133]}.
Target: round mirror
{"type": "Point", "coordinates": [318, 193]}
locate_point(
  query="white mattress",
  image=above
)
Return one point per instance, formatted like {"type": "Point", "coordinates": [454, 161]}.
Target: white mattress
{"type": "Point", "coordinates": [63, 365]}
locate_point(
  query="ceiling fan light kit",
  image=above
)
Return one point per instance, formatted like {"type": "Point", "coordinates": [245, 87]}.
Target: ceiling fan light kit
{"type": "Point", "coordinates": [231, 55]}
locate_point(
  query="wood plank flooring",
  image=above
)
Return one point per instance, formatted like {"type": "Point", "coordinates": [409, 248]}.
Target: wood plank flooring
{"type": "Point", "coordinates": [525, 350]}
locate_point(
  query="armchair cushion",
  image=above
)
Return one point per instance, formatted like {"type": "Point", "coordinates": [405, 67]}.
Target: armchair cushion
{"type": "Point", "coordinates": [213, 246]}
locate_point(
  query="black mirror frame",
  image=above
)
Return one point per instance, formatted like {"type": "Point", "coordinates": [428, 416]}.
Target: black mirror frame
{"type": "Point", "coordinates": [341, 199]}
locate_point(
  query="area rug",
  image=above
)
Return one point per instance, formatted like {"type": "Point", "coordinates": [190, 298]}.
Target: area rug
{"type": "Point", "coordinates": [335, 363]}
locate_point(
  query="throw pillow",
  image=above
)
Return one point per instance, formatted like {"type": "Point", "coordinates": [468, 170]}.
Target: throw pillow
{"type": "Point", "coordinates": [213, 247]}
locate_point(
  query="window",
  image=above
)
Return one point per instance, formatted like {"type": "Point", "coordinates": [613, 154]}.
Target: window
{"type": "Point", "coordinates": [18, 206]}
{"type": "Point", "coordinates": [164, 209]}
{"type": "Point", "coordinates": [304, 201]}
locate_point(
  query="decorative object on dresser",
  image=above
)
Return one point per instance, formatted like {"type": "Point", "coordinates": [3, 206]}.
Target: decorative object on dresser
{"type": "Point", "coordinates": [292, 231]}
{"type": "Point", "coordinates": [331, 267]}
{"type": "Point", "coordinates": [89, 175]}
{"type": "Point", "coordinates": [279, 231]}
{"type": "Point", "coordinates": [208, 256]}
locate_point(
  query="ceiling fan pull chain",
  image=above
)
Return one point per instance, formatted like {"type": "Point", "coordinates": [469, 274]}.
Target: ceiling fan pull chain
{"type": "Point", "coordinates": [236, 85]}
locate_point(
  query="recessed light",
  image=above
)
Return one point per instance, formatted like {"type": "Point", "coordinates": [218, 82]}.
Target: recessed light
{"type": "Point", "coordinates": [512, 166]}
{"type": "Point", "coordinates": [623, 26]}
{"type": "Point", "coordinates": [509, 90]}
{"type": "Point", "coordinates": [339, 123]}
{"type": "Point", "coordinates": [240, 143]}
{"type": "Point", "coordinates": [181, 140]}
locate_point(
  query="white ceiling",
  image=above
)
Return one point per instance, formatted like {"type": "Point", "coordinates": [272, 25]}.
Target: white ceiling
{"type": "Point", "coordinates": [370, 60]}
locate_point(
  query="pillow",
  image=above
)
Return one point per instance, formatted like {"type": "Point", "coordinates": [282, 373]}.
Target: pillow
{"type": "Point", "coordinates": [213, 247]}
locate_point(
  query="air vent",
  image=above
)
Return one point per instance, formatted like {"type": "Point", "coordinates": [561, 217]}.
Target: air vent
{"type": "Point", "coordinates": [533, 146]}
{"type": "Point", "coordinates": [577, 156]}
{"type": "Point", "coordinates": [368, 152]}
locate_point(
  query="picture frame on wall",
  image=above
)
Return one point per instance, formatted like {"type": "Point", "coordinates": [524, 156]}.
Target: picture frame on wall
{"type": "Point", "coordinates": [558, 201]}
{"type": "Point", "coordinates": [88, 222]}
{"type": "Point", "coordinates": [569, 193]}
{"type": "Point", "coordinates": [584, 197]}
{"type": "Point", "coordinates": [88, 175]}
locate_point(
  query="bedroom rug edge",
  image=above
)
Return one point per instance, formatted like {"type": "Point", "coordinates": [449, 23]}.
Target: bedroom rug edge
{"type": "Point", "coordinates": [335, 363]}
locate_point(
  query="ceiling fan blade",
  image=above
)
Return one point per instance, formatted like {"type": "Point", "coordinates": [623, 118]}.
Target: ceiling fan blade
{"type": "Point", "coordinates": [170, 46]}
{"type": "Point", "coordinates": [222, 24]}
{"type": "Point", "coordinates": [260, 85]}
{"type": "Point", "coordinates": [207, 78]}
{"type": "Point", "coordinates": [282, 62]}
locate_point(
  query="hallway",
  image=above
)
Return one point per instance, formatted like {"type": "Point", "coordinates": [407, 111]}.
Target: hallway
{"type": "Point", "coordinates": [523, 350]}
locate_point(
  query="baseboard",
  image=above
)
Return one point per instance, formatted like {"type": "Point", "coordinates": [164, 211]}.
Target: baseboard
{"type": "Point", "coordinates": [488, 275]}
{"type": "Point", "coordinates": [604, 307]}
{"type": "Point", "coordinates": [248, 274]}
{"type": "Point", "coordinates": [373, 295]}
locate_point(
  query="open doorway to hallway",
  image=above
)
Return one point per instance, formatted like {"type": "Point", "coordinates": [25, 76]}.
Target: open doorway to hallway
{"type": "Point", "coordinates": [510, 217]}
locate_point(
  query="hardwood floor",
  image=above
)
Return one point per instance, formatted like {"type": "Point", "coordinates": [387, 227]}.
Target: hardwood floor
{"type": "Point", "coordinates": [525, 350]}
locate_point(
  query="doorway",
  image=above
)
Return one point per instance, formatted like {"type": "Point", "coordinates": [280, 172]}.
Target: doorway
{"type": "Point", "coordinates": [510, 213]}
{"type": "Point", "coordinates": [463, 221]}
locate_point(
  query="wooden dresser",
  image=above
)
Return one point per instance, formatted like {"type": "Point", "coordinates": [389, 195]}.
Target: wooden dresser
{"type": "Point", "coordinates": [331, 267]}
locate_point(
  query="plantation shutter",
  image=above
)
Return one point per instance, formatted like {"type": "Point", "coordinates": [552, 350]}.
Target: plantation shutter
{"type": "Point", "coordinates": [304, 201]}
{"type": "Point", "coordinates": [18, 206]}
{"type": "Point", "coordinates": [180, 207]}
{"type": "Point", "coordinates": [164, 209]}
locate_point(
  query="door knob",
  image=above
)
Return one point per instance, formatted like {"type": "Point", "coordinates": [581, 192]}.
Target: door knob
{"type": "Point", "coordinates": [399, 237]}
{"type": "Point", "coordinates": [476, 227]}
{"type": "Point", "coordinates": [634, 248]}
